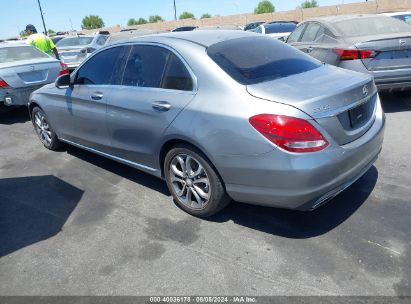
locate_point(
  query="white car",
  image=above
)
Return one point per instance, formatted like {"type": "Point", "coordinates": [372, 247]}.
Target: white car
{"type": "Point", "coordinates": [278, 30]}
{"type": "Point", "coordinates": [404, 16]}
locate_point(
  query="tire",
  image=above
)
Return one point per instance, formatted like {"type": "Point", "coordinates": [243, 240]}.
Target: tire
{"type": "Point", "coordinates": [207, 193]}
{"type": "Point", "coordinates": [44, 130]}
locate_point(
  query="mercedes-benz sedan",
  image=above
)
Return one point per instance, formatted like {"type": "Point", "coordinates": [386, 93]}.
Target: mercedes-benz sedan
{"type": "Point", "coordinates": [219, 115]}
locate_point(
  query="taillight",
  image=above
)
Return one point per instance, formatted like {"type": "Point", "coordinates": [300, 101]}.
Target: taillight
{"type": "Point", "coordinates": [3, 84]}
{"type": "Point", "coordinates": [63, 69]}
{"type": "Point", "coordinates": [289, 133]}
{"type": "Point", "coordinates": [355, 54]}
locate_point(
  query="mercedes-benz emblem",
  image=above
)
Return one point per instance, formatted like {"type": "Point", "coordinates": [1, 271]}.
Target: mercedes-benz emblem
{"type": "Point", "coordinates": [32, 68]}
{"type": "Point", "coordinates": [402, 42]}
{"type": "Point", "coordinates": [365, 90]}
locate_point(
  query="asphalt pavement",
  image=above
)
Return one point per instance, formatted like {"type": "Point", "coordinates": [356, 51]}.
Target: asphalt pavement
{"type": "Point", "coordinates": [74, 223]}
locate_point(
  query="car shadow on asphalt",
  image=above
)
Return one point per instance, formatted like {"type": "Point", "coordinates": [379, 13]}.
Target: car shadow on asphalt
{"type": "Point", "coordinates": [298, 224]}
{"type": "Point", "coordinates": [10, 116]}
{"type": "Point", "coordinates": [33, 209]}
{"type": "Point", "coordinates": [119, 169]}
{"type": "Point", "coordinates": [396, 102]}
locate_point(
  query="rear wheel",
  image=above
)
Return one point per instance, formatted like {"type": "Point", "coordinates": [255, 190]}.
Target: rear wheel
{"type": "Point", "coordinates": [43, 129]}
{"type": "Point", "coordinates": [193, 182]}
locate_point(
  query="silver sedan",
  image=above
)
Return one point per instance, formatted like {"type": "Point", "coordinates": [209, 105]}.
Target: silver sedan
{"type": "Point", "coordinates": [219, 115]}
{"type": "Point", "coordinates": [23, 69]}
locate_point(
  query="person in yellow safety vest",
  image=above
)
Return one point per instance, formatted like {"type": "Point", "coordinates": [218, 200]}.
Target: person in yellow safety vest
{"type": "Point", "coordinates": [41, 41]}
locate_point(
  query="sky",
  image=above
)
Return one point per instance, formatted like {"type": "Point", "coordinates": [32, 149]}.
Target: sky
{"type": "Point", "coordinates": [65, 15]}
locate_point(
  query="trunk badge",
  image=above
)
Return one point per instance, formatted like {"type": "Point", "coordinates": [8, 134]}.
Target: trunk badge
{"type": "Point", "coordinates": [365, 91]}
{"type": "Point", "coordinates": [402, 42]}
{"type": "Point", "coordinates": [32, 68]}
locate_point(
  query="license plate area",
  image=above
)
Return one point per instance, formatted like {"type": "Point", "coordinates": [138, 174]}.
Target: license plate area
{"type": "Point", "coordinates": [359, 115]}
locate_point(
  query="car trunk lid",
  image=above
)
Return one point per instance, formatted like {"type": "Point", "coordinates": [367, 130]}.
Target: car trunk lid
{"type": "Point", "coordinates": [25, 73]}
{"type": "Point", "coordinates": [341, 101]}
{"type": "Point", "coordinates": [73, 54]}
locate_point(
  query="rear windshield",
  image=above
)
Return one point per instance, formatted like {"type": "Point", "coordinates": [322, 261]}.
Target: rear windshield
{"type": "Point", "coordinates": [74, 41]}
{"type": "Point", "coordinates": [279, 28]}
{"type": "Point", "coordinates": [17, 53]}
{"type": "Point", "coordinates": [371, 26]}
{"type": "Point", "coordinates": [253, 60]}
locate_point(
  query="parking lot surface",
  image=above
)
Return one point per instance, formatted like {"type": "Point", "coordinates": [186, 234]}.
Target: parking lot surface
{"type": "Point", "coordinates": [74, 223]}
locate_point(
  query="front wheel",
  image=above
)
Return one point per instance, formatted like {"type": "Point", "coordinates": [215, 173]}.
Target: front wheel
{"type": "Point", "coordinates": [193, 182]}
{"type": "Point", "coordinates": [43, 129]}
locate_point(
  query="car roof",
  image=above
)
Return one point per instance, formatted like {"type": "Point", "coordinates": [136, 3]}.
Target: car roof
{"type": "Point", "coordinates": [6, 44]}
{"type": "Point", "coordinates": [205, 38]}
{"type": "Point", "coordinates": [397, 13]}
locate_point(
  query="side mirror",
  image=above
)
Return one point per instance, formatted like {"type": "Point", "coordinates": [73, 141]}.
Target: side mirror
{"type": "Point", "coordinates": [63, 81]}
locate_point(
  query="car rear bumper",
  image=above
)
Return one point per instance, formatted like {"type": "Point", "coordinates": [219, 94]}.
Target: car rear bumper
{"type": "Point", "coordinates": [303, 182]}
{"type": "Point", "coordinates": [17, 96]}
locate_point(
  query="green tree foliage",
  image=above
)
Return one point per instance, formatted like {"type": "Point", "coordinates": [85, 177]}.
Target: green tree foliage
{"type": "Point", "coordinates": [264, 7]}
{"type": "Point", "coordinates": [205, 16]}
{"type": "Point", "coordinates": [309, 3]}
{"type": "Point", "coordinates": [141, 21]}
{"type": "Point", "coordinates": [155, 18]}
{"type": "Point", "coordinates": [92, 22]}
{"type": "Point", "coordinates": [138, 21]}
{"type": "Point", "coordinates": [50, 32]}
{"type": "Point", "coordinates": [131, 22]}
{"type": "Point", "coordinates": [23, 34]}
{"type": "Point", "coordinates": [186, 15]}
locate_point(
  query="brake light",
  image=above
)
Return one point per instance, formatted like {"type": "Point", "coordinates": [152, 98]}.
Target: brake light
{"type": "Point", "coordinates": [355, 54]}
{"type": "Point", "coordinates": [63, 69]}
{"type": "Point", "coordinates": [3, 84]}
{"type": "Point", "coordinates": [289, 133]}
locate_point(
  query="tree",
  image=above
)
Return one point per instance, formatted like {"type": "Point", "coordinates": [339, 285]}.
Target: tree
{"type": "Point", "coordinates": [186, 15]}
{"type": "Point", "coordinates": [23, 34]}
{"type": "Point", "coordinates": [206, 15]}
{"type": "Point", "coordinates": [141, 21]}
{"type": "Point", "coordinates": [92, 22]}
{"type": "Point", "coordinates": [309, 3]}
{"type": "Point", "coordinates": [131, 22]}
{"type": "Point", "coordinates": [264, 7]}
{"type": "Point", "coordinates": [50, 32]}
{"type": "Point", "coordinates": [155, 18]}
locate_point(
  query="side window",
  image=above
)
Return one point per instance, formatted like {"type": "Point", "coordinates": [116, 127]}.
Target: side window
{"type": "Point", "coordinates": [145, 66]}
{"type": "Point", "coordinates": [295, 36]}
{"type": "Point", "coordinates": [258, 30]}
{"type": "Point", "coordinates": [100, 68]}
{"type": "Point", "coordinates": [176, 76]}
{"type": "Point", "coordinates": [101, 40]}
{"type": "Point", "coordinates": [311, 32]}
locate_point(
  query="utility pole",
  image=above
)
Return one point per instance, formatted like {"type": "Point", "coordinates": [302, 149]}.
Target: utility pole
{"type": "Point", "coordinates": [175, 10]}
{"type": "Point", "coordinates": [42, 18]}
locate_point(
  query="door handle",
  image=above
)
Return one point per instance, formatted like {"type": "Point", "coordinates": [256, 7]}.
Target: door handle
{"type": "Point", "coordinates": [161, 106]}
{"type": "Point", "coordinates": [97, 96]}
{"type": "Point", "coordinates": [310, 49]}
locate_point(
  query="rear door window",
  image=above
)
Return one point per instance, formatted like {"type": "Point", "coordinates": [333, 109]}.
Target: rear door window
{"type": "Point", "coordinates": [252, 60]}
{"type": "Point", "coordinates": [145, 66]}
{"type": "Point", "coordinates": [103, 68]}
{"type": "Point", "coordinates": [311, 32]}
{"type": "Point", "coordinates": [176, 76]}
{"type": "Point", "coordinates": [295, 36]}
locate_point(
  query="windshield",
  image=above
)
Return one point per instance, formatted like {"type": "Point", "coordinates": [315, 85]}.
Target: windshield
{"type": "Point", "coordinates": [74, 41]}
{"type": "Point", "coordinates": [11, 54]}
{"type": "Point", "coordinates": [279, 28]}
{"type": "Point", "coordinates": [253, 60]}
{"type": "Point", "coordinates": [405, 18]}
{"type": "Point", "coordinates": [371, 26]}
